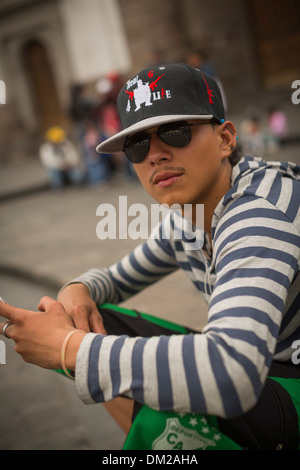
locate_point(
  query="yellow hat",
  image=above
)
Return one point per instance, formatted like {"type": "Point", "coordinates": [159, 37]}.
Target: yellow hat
{"type": "Point", "coordinates": [55, 134]}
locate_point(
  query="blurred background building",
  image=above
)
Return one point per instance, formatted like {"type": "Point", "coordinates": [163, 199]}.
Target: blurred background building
{"type": "Point", "coordinates": [52, 49]}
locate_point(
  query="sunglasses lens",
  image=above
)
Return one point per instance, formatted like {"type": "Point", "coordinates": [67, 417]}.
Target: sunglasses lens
{"type": "Point", "coordinates": [177, 134]}
{"type": "Point", "coordinates": [137, 147]}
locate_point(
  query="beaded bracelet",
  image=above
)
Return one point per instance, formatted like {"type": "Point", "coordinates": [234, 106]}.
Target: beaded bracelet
{"type": "Point", "coordinates": [63, 353]}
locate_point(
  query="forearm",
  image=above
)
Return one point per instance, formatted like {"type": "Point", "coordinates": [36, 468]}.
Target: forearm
{"type": "Point", "coordinates": [76, 289]}
{"type": "Point", "coordinates": [95, 283]}
{"type": "Point", "coordinates": [181, 373]}
{"type": "Point", "coordinates": [148, 263]}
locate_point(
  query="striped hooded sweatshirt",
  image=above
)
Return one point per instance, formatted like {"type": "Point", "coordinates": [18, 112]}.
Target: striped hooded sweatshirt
{"type": "Point", "coordinates": [251, 282]}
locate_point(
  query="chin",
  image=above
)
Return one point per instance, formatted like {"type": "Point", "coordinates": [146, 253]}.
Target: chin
{"type": "Point", "coordinates": [173, 200]}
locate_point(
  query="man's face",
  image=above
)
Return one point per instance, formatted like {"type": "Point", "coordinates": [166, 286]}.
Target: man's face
{"type": "Point", "coordinates": [190, 175]}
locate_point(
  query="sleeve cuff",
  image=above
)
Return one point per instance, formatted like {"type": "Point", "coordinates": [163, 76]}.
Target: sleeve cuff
{"type": "Point", "coordinates": [82, 368]}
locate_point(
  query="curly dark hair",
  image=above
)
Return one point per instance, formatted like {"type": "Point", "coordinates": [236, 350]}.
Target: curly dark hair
{"type": "Point", "coordinates": [235, 157]}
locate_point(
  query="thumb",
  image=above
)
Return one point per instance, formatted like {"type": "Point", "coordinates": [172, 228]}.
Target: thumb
{"type": "Point", "coordinates": [96, 322]}
{"type": "Point", "coordinates": [80, 314]}
{"type": "Point", "coordinates": [45, 303]}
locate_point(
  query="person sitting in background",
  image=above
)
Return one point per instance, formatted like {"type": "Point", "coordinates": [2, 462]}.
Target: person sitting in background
{"type": "Point", "coordinates": [278, 128]}
{"type": "Point", "coordinates": [60, 158]}
{"type": "Point", "coordinates": [98, 166]}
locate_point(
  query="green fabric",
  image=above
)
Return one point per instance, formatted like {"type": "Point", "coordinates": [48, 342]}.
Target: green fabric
{"type": "Point", "coordinates": [146, 316]}
{"type": "Point", "coordinates": [157, 430]}
{"type": "Point", "coordinates": [61, 371]}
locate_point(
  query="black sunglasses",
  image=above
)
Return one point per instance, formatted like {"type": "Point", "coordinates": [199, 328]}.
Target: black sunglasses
{"type": "Point", "coordinates": [177, 134]}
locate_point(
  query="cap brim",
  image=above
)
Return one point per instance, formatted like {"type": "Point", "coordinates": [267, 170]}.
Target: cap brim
{"type": "Point", "coordinates": [116, 142]}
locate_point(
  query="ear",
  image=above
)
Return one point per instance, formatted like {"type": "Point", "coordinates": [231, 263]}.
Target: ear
{"type": "Point", "coordinates": [228, 137]}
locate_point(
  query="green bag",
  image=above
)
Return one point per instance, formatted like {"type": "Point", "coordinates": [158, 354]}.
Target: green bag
{"type": "Point", "coordinates": [157, 430]}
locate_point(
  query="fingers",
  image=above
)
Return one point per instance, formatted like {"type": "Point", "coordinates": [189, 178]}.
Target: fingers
{"type": "Point", "coordinates": [4, 327]}
{"type": "Point", "coordinates": [9, 312]}
{"type": "Point", "coordinates": [80, 317]}
{"type": "Point", "coordinates": [87, 319]}
{"type": "Point", "coordinates": [13, 313]}
{"type": "Point", "coordinates": [97, 323]}
{"type": "Point", "coordinates": [46, 302]}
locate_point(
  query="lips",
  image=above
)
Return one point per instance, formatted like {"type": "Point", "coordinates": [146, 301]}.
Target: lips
{"type": "Point", "coordinates": [167, 178]}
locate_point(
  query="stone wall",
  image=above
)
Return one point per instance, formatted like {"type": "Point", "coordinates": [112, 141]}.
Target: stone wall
{"type": "Point", "coordinates": [167, 31]}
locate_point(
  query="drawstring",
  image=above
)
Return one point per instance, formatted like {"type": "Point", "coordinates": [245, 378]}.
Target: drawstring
{"type": "Point", "coordinates": [207, 278]}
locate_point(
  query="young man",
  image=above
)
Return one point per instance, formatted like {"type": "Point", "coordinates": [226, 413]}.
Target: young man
{"type": "Point", "coordinates": [238, 379]}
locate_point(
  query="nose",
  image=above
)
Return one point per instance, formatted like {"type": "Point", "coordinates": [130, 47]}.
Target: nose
{"type": "Point", "coordinates": [158, 151]}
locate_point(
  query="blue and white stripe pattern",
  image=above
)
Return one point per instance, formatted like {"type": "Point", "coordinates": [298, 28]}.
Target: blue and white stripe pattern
{"type": "Point", "coordinates": [251, 282]}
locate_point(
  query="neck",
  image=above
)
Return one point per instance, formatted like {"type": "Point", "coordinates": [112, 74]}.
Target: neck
{"type": "Point", "coordinates": [212, 199]}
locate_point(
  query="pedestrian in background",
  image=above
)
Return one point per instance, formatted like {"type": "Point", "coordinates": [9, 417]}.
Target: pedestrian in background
{"type": "Point", "coordinates": [61, 159]}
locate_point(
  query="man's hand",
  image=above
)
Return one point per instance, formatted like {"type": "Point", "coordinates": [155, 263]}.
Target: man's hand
{"type": "Point", "coordinates": [39, 336]}
{"type": "Point", "coordinates": [81, 308]}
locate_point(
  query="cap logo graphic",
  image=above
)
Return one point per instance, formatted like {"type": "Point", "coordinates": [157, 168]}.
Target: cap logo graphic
{"type": "Point", "coordinates": [144, 92]}
{"type": "Point", "coordinates": [209, 91]}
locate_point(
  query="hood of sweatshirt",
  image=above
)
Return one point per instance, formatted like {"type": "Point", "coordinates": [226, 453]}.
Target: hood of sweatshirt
{"type": "Point", "coordinates": [274, 181]}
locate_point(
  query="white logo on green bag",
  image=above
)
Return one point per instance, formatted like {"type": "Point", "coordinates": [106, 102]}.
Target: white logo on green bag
{"type": "Point", "coordinates": [178, 437]}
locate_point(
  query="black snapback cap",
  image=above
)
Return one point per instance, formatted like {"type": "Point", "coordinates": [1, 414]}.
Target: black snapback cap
{"type": "Point", "coordinates": [161, 94]}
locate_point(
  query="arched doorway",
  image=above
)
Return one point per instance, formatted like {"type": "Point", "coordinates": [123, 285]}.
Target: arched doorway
{"type": "Point", "coordinates": [42, 85]}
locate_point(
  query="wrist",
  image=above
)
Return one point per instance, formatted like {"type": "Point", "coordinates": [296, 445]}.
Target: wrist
{"type": "Point", "coordinates": [72, 347]}
{"type": "Point", "coordinates": [73, 288]}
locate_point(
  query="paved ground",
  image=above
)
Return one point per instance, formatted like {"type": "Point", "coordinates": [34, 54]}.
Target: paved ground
{"type": "Point", "coordinates": [39, 409]}
{"type": "Point", "coordinates": [46, 238]}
